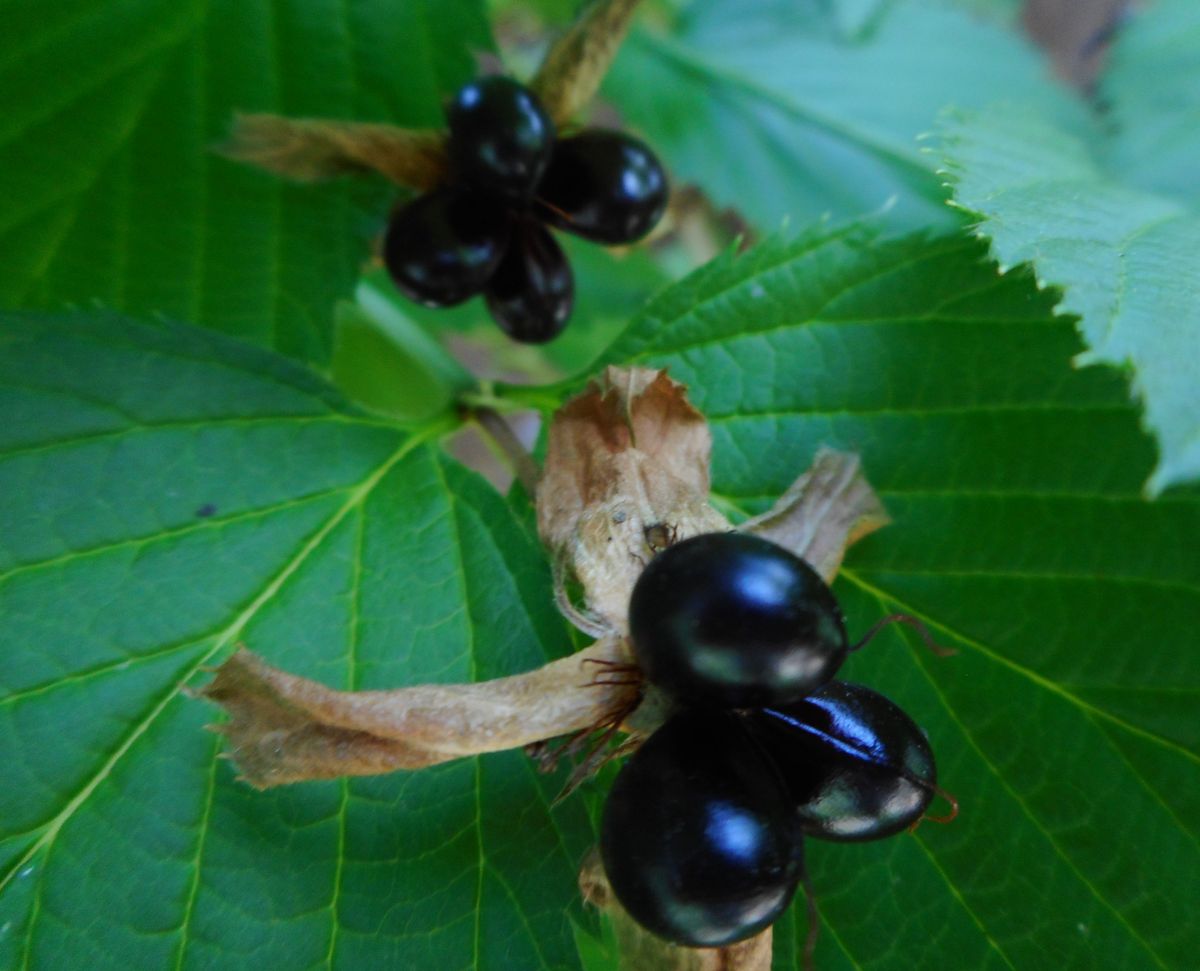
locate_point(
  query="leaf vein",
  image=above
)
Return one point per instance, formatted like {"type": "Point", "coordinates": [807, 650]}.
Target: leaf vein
{"type": "Point", "coordinates": [189, 908]}
{"type": "Point", "coordinates": [231, 632]}
{"type": "Point", "coordinates": [1154, 583]}
{"type": "Point", "coordinates": [1029, 814]}
{"type": "Point", "coordinates": [788, 255]}
{"type": "Point", "coordinates": [351, 685]}
{"type": "Point", "coordinates": [1045, 683]}
{"type": "Point", "coordinates": [99, 670]}
{"type": "Point", "coordinates": [175, 532]}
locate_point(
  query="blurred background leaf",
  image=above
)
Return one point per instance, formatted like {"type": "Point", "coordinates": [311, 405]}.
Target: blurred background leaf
{"type": "Point", "coordinates": [782, 109]}
{"type": "Point", "coordinates": [1152, 91]}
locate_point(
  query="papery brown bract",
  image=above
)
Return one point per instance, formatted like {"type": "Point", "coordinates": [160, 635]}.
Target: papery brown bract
{"type": "Point", "coordinates": [627, 455]}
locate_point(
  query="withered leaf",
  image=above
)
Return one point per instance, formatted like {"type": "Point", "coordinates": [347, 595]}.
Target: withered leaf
{"type": "Point", "coordinates": [285, 728]}
{"type": "Point", "coordinates": [627, 459]}
{"type": "Point", "coordinates": [313, 149]}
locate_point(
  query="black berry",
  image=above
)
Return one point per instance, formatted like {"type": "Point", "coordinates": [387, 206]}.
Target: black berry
{"type": "Point", "coordinates": [857, 767]}
{"type": "Point", "coordinates": [604, 186]}
{"type": "Point", "coordinates": [442, 248]}
{"type": "Point", "coordinates": [698, 839]}
{"type": "Point", "coordinates": [531, 293]}
{"type": "Point", "coordinates": [730, 620]}
{"type": "Point", "coordinates": [500, 136]}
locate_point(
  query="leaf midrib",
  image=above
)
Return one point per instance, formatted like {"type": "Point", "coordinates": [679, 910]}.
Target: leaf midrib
{"type": "Point", "coordinates": [787, 257]}
{"type": "Point", "coordinates": [172, 532]}
{"type": "Point", "coordinates": [357, 496]}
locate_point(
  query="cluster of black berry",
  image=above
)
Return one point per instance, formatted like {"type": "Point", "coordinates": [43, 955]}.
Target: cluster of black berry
{"type": "Point", "coordinates": [484, 231]}
{"type": "Point", "coordinates": [702, 834]}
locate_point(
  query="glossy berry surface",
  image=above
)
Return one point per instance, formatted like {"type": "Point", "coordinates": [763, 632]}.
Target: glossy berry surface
{"type": "Point", "coordinates": [730, 620]}
{"type": "Point", "coordinates": [442, 248]}
{"type": "Point", "coordinates": [604, 186]}
{"type": "Point", "coordinates": [531, 293]}
{"type": "Point", "coordinates": [698, 838]}
{"type": "Point", "coordinates": [857, 767]}
{"type": "Point", "coordinates": [500, 136]}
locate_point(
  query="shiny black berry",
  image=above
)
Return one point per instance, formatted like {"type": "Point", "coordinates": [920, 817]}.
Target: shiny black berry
{"type": "Point", "coordinates": [500, 136]}
{"type": "Point", "coordinates": [698, 838]}
{"type": "Point", "coordinates": [604, 186]}
{"type": "Point", "coordinates": [441, 248]}
{"type": "Point", "coordinates": [730, 620]}
{"type": "Point", "coordinates": [857, 767]}
{"type": "Point", "coordinates": [531, 293]}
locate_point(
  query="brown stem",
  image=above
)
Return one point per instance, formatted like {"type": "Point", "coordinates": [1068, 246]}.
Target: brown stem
{"type": "Point", "coordinates": [910, 621]}
{"type": "Point", "coordinates": [577, 62]}
{"type": "Point", "coordinates": [500, 432]}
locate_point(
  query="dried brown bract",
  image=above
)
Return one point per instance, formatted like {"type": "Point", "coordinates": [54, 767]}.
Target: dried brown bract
{"type": "Point", "coordinates": [576, 63]}
{"type": "Point", "coordinates": [313, 149]}
{"type": "Point", "coordinates": [626, 467]}
{"type": "Point", "coordinates": [284, 728]}
{"type": "Point", "coordinates": [827, 509]}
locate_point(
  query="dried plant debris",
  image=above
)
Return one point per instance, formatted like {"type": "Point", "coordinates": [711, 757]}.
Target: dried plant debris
{"type": "Point", "coordinates": [312, 149]}
{"type": "Point", "coordinates": [642, 951]}
{"type": "Point", "coordinates": [285, 728]}
{"type": "Point", "coordinates": [576, 63]}
{"type": "Point", "coordinates": [627, 469]}
{"type": "Point", "coordinates": [824, 511]}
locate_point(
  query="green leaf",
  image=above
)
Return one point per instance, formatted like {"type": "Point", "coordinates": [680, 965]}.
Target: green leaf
{"type": "Point", "coordinates": [168, 494]}
{"type": "Point", "coordinates": [109, 189]}
{"type": "Point", "coordinates": [1126, 260]}
{"type": "Point", "coordinates": [1002, 11]}
{"type": "Point", "coordinates": [1153, 88]}
{"type": "Point", "coordinates": [384, 361]}
{"type": "Point", "coordinates": [775, 112]}
{"type": "Point", "coordinates": [1065, 724]}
